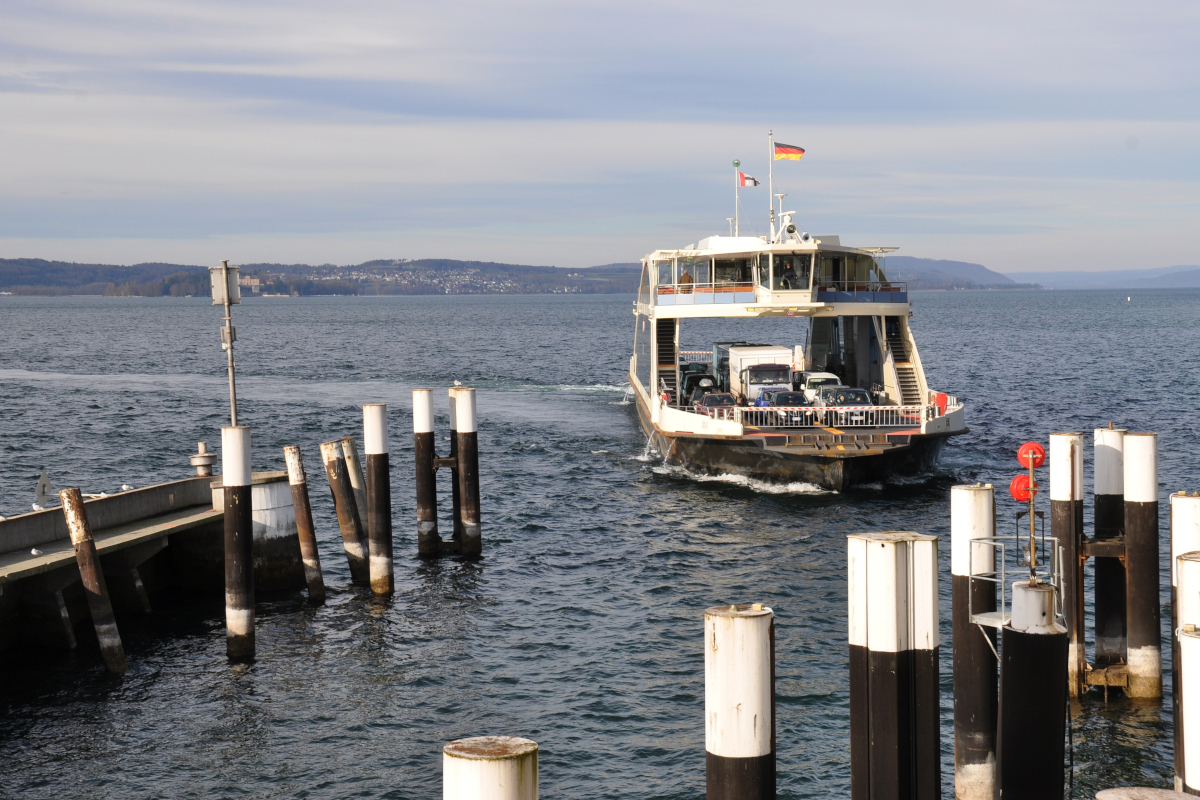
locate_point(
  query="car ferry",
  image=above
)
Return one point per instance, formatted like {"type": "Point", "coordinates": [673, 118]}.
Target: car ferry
{"type": "Point", "coordinates": [849, 405]}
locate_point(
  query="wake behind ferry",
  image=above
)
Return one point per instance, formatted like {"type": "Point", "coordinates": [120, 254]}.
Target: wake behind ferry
{"type": "Point", "coordinates": [849, 405]}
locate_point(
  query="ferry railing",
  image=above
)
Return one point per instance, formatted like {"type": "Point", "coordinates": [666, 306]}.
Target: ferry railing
{"type": "Point", "coordinates": [861, 291]}
{"type": "Point", "coordinates": [839, 416]}
{"type": "Point", "coordinates": [689, 294]}
{"type": "Point", "coordinates": [695, 356]}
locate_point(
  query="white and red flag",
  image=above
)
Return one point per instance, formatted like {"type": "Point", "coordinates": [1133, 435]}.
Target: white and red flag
{"type": "Point", "coordinates": [747, 180]}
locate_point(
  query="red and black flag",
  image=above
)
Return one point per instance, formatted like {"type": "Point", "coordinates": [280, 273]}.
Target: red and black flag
{"type": "Point", "coordinates": [747, 180]}
{"type": "Point", "coordinates": [789, 151]}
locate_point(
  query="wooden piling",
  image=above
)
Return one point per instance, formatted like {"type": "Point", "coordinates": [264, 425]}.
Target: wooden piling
{"type": "Point", "coordinates": [455, 489]}
{"type": "Point", "coordinates": [92, 576]}
{"type": "Point", "coordinates": [739, 702]}
{"type": "Point", "coordinates": [298, 481]}
{"type": "Point", "coordinates": [1141, 565]}
{"type": "Point", "coordinates": [1108, 466]}
{"type": "Point", "coordinates": [1066, 524]}
{"type": "Point", "coordinates": [467, 459]}
{"type": "Point", "coordinates": [490, 768]}
{"type": "Point", "coordinates": [236, 481]}
{"type": "Point", "coordinates": [1185, 538]}
{"type": "Point", "coordinates": [894, 693]}
{"type": "Point", "coordinates": [354, 538]}
{"type": "Point", "coordinates": [354, 472]}
{"type": "Point", "coordinates": [428, 540]}
{"type": "Point", "coordinates": [973, 516]}
{"type": "Point", "coordinates": [1033, 697]}
{"type": "Point", "coordinates": [379, 498]}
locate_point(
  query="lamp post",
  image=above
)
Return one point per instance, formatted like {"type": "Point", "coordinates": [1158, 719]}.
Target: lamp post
{"type": "Point", "coordinates": [736, 181]}
{"type": "Point", "coordinates": [227, 292]}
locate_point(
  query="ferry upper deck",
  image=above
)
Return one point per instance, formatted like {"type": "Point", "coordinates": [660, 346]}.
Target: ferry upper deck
{"type": "Point", "coordinates": [742, 276]}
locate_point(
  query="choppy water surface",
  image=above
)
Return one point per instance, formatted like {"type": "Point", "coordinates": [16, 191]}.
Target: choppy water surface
{"type": "Point", "coordinates": [581, 628]}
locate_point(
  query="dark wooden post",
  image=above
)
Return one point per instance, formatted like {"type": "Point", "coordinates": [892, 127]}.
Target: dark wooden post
{"type": "Point", "coordinates": [236, 480]}
{"type": "Point", "coordinates": [1141, 565]}
{"type": "Point", "coordinates": [428, 540]}
{"type": "Point", "coordinates": [379, 498]}
{"type": "Point", "coordinates": [305, 531]}
{"type": "Point", "coordinates": [354, 539]}
{"type": "Point", "coordinates": [1066, 524]}
{"type": "Point", "coordinates": [467, 459]}
{"type": "Point", "coordinates": [92, 576]}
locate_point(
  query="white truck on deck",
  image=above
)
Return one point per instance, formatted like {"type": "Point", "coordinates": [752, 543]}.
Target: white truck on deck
{"type": "Point", "coordinates": [754, 370]}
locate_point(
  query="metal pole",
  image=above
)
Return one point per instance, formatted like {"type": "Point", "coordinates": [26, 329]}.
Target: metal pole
{"type": "Point", "coordinates": [894, 694]}
{"type": "Point", "coordinates": [739, 702]}
{"type": "Point", "coordinates": [973, 516]}
{"type": "Point", "coordinates": [236, 481]}
{"type": "Point", "coordinates": [229, 339]}
{"type": "Point", "coordinates": [771, 181]}
{"type": "Point", "coordinates": [736, 212]}
{"type": "Point", "coordinates": [305, 531]}
{"type": "Point", "coordinates": [1141, 565]}
{"type": "Point", "coordinates": [1033, 717]}
{"type": "Point", "coordinates": [379, 498]}
{"type": "Point", "coordinates": [92, 576]}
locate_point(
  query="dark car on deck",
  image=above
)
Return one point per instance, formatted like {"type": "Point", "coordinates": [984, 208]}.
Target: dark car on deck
{"type": "Point", "coordinates": [717, 404]}
{"type": "Point", "coordinates": [794, 408]}
{"type": "Point", "coordinates": [843, 405]}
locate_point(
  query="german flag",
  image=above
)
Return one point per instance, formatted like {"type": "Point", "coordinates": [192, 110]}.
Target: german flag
{"type": "Point", "coordinates": [789, 151]}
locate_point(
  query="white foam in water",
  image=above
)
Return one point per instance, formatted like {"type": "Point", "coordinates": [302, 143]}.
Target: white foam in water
{"type": "Point", "coordinates": [648, 453]}
{"type": "Point", "coordinates": [874, 487]}
{"type": "Point", "coordinates": [746, 482]}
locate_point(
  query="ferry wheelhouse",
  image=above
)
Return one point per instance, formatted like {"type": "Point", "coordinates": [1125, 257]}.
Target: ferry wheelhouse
{"type": "Point", "coordinates": [858, 339]}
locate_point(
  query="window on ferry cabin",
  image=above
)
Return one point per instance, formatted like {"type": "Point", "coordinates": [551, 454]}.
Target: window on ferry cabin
{"type": "Point", "coordinates": [729, 271]}
{"type": "Point", "coordinates": [792, 272]}
{"type": "Point", "coordinates": [697, 268]}
{"type": "Point", "coordinates": [663, 270]}
{"type": "Point", "coordinates": [764, 270]}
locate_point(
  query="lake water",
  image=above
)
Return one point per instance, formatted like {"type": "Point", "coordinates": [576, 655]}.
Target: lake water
{"type": "Point", "coordinates": [582, 626]}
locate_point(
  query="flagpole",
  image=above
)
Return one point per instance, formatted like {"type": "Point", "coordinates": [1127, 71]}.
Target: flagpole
{"type": "Point", "coordinates": [736, 181]}
{"type": "Point", "coordinates": [771, 180]}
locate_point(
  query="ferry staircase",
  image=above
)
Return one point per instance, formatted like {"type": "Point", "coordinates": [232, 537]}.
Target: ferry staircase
{"type": "Point", "coordinates": [668, 372]}
{"type": "Point", "coordinates": [906, 373]}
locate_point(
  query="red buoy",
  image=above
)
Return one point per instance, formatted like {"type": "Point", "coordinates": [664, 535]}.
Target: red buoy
{"type": "Point", "coordinates": [1022, 488]}
{"type": "Point", "coordinates": [1028, 450]}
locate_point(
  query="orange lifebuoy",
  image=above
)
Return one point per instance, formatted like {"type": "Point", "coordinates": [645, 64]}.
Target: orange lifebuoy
{"type": "Point", "coordinates": [1031, 452]}
{"type": "Point", "coordinates": [1021, 488]}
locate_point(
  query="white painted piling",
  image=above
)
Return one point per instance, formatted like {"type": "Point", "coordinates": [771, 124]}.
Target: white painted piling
{"type": "Point", "coordinates": [490, 768]}
{"type": "Point", "coordinates": [1185, 538]}
{"type": "Point", "coordinates": [305, 531]}
{"type": "Point", "coordinates": [894, 644]}
{"type": "Point", "coordinates": [1108, 486]}
{"type": "Point", "coordinates": [1187, 721]}
{"type": "Point", "coordinates": [424, 451]}
{"type": "Point", "coordinates": [1142, 605]}
{"type": "Point", "coordinates": [739, 702]}
{"type": "Point", "coordinates": [236, 479]}
{"type": "Point", "coordinates": [467, 459]}
{"type": "Point", "coordinates": [379, 498]}
{"type": "Point", "coordinates": [972, 517]}
{"type": "Point", "coordinates": [1066, 524]}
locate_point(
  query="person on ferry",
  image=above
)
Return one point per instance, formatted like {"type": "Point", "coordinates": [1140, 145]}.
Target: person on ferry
{"type": "Point", "coordinates": [685, 282]}
{"type": "Point", "coordinates": [789, 279]}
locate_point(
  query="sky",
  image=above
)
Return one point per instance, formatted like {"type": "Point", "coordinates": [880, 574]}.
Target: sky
{"type": "Point", "coordinates": [1022, 135]}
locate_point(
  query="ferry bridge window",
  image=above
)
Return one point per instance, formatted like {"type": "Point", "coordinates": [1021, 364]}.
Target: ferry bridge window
{"type": "Point", "coordinates": [665, 278]}
{"type": "Point", "coordinates": [830, 268]}
{"type": "Point", "coordinates": [792, 272]}
{"type": "Point", "coordinates": [695, 268]}
{"type": "Point", "coordinates": [764, 271]}
{"type": "Point", "coordinates": [735, 270]}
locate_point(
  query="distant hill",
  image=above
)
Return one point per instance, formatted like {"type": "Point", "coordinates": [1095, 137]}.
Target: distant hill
{"type": "Point", "coordinates": [35, 276]}
{"type": "Point", "coordinates": [1181, 276]}
{"type": "Point", "coordinates": [931, 273]}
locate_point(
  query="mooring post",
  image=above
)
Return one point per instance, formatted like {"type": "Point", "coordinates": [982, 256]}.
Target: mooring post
{"type": "Point", "coordinates": [973, 516]}
{"type": "Point", "coordinates": [354, 538]}
{"type": "Point", "coordinates": [1033, 697]}
{"type": "Point", "coordinates": [92, 576]}
{"type": "Point", "coordinates": [1187, 714]}
{"type": "Point", "coordinates": [428, 539]}
{"type": "Point", "coordinates": [1141, 565]}
{"type": "Point", "coordinates": [1108, 467]}
{"type": "Point", "coordinates": [236, 480]}
{"type": "Point", "coordinates": [455, 489]}
{"type": "Point", "coordinates": [354, 472]}
{"type": "Point", "coordinates": [1066, 524]}
{"type": "Point", "coordinates": [490, 768]}
{"type": "Point", "coordinates": [1185, 538]}
{"type": "Point", "coordinates": [739, 702]}
{"type": "Point", "coordinates": [467, 458]}
{"type": "Point", "coordinates": [298, 481]}
{"type": "Point", "coordinates": [894, 692]}
{"type": "Point", "coordinates": [379, 498]}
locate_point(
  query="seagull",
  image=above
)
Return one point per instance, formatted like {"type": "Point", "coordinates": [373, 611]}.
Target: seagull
{"type": "Point", "coordinates": [458, 383]}
{"type": "Point", "coordinates": [125, 487]}
{"type": "Point", "coordinates": [36, 552]}
{"type": "Point", "coordinates": [36, 507]}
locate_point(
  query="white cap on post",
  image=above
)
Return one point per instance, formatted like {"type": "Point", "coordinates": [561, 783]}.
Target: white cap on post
{"type": "Point", "coordinates": [1185, 527]}
{"type": "Point", "coordinates": [737, 681]}
{"type": "Point", "coordinates": [1188, 597]}
{"type": "Point", "coordinates": [375, 429]}
{"type": "Point", "coordinates": [464, 402]}
{"type": "Point", "coordinates": [295, 465]}
{"type": "Point", "coordinates": [972, 516]}
{"type": "Point", "coordinates": [1109, 462]}
{"type": "Point", "coordinates": [235, 456]}
{"type": "Point", "coordinates": [1141, 468]}
{"type": "Point", "coordinates": [893, 590]}
{"type": "Point", "coordinates": [1066, 466]}
{"type": "Point", "coordinates": [490, 768]}
{"type": "Point", "coordinates": [1033, 609]}
{"type": "Point", "coordinates": [422, 411]}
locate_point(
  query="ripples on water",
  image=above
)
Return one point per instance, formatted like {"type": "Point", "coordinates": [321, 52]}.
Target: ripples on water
{"type": "Point", "coordinates": [581, 628]}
